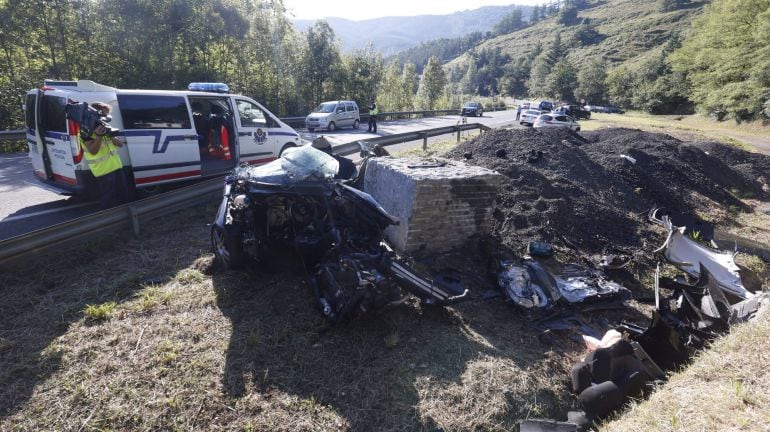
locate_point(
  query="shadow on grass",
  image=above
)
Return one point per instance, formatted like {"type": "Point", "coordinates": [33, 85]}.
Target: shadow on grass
{"type": "Point", "coordinates": [407, 367]}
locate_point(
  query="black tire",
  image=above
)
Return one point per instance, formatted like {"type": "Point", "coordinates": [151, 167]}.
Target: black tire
{"type": "Point", "coordinates": [310, 129]}
{"type": "Point", "coordinates": [356, 124]}
{"type": "Point", "coordinates": [228, 248]}
{"type": "Point", "coordinates": [332, 127]}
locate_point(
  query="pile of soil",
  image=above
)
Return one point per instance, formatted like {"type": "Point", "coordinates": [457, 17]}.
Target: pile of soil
{"type": "Point", "coordinates": [590, 192]}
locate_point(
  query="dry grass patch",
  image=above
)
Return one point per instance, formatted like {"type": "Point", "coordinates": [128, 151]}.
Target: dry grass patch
{"type": "Point", "coordinates": [725, 389]}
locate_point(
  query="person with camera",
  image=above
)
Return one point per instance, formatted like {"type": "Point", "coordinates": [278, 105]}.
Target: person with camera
{"type": "Point", "coordinates": [100, 150]}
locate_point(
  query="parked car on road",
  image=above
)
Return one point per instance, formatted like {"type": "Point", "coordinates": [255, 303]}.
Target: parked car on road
{"type": "Point", "coordinates": [575, 111]}
{"type": "Point", "coordinates": [528, 117]}
{"type": "Point", "coordinates": [605, 109]}
{"type": "Point", "coordinates": [545, 105]}
{"type": "Point", "coordinates": [474, 109]}
{"type": "Point", "coordinates": [333, 115]}
{"type": "Point", "coordinates": [556, 120]}
{"type": "Point", "coordinates": [614, 110]}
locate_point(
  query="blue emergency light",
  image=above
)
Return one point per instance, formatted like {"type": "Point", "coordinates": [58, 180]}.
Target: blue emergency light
{"type": "Point", "coordinates": [209, 87]}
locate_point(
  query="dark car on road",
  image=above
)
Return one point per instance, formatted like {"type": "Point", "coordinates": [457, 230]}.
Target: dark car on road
{"type": "Point", "coordinates": [576, 111]}
{"type": "Point", "coordinates": [474, 109]}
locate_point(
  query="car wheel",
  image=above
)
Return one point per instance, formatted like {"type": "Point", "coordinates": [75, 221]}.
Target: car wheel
{"type": "Point", "coordinates": [356, 124]}
{"type": "Point", "coordinates": [577, 129]}
{"type": "Point", "coordinates": [287, 146]}
{"type": "Point", "coordinates": [227, 245]}
{"type": "Point", "coordinates": [588, 116]}
{"type": "Point", "coordinates": [332, 127]}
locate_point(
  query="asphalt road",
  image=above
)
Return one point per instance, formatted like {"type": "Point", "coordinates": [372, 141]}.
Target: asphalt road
{"type": "Point", "coordinates": [25, 206]}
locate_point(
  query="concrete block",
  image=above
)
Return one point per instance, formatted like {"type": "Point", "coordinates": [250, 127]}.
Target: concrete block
{"type": "Point", "coordinates": [439, 204]}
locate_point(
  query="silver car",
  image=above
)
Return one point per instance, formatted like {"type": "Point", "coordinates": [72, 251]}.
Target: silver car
{"type": "Point", "coordinates": [333, 115]}
{"type": "Point", "coordinates": [557, 120]}
{"type": "Point", "coordinates": [528, 117]}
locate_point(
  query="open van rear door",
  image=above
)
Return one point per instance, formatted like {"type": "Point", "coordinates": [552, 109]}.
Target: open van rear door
{"type": "Point", "coordinates": [52, 151]}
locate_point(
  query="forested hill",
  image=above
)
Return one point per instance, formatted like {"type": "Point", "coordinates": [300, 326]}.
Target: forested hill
{"type": "Point", "coordinates": [623, 44]}
{"type": "Point", "coordinates": [620, 31]}
{"type": "Point", "coordinates": [392, 34]}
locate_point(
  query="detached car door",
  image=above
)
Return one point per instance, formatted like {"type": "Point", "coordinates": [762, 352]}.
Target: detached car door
{"type": "Point", "coordinates": [161, 138]}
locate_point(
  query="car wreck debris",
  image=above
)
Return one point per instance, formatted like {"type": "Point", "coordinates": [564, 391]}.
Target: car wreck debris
{"type": "Point", "coordinates": [296, 204]}
{"type": "Point", "coordinates": [528, 284]}
{"type": "Point", "coordinates": [690, 256]}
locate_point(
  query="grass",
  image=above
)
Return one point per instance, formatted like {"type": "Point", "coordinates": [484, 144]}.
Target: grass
{"type": "Point", "coordinates": [725, 388]}
{"type": "Point", "coordinates": [695, 126]}
{"type": "Point", "coordinates": [99, 312]}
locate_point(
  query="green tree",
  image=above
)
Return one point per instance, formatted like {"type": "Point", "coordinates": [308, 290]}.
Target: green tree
{"type": "Point", "coordinates": [560, 83]}
{"type": "Point", "coordinates": [364, 71]}
{"type": "Point", "coordinates": [321, 62]}
{"type": "Point", "coordinates": [509, 23]}
{"type": "Point", "coordinates": [432, 85]}
{"type": "Point", "coordinates": [726, 58]}
{"type": "Point", "coordinates": [591, 79]}
{"type": "Point", "coordinates": [541, 67]}
{"type": "Point", "coordinates": [410, 82]}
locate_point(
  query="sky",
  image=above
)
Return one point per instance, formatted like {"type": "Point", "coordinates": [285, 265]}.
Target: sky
{"type": "Point", "coordinates": [358, 10]}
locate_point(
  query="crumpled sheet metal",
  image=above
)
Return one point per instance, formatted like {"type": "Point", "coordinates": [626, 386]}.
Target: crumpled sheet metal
{"type": "Point", "coordinates": [530, 285]}
{"type": "Point", "coordinates": [687, 255]}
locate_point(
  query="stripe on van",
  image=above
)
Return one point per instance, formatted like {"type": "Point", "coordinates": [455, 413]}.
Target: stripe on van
{"type": "Point", "coordinates": [151, 179]}
{"type": "Point", "coordinates": [164, 166]}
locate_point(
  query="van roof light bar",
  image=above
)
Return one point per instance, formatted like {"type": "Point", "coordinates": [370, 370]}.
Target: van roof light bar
{"type": "Point", "coordinates": [209, 87]}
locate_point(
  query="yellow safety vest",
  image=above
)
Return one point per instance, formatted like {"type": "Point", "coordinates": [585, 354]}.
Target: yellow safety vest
{"type": "Point", "coordinates": [105, 161]}
{"type": "Point", "coordinates": [374, 111]}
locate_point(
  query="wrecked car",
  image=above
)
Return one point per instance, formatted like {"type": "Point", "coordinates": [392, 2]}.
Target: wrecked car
{"type": "Point", "coordinates": [333, 230]}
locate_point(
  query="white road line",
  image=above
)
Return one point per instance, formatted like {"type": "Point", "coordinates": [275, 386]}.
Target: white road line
{"type": "Point", "coordinates": [42, 212]}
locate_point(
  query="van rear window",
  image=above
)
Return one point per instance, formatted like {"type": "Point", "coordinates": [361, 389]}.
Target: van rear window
{"type": "Point", "coordinates": [154, 112]}
{"type": "Point", "coordinates": [53, 114]}
{"type": "Point", "coordinates": [29, 113]}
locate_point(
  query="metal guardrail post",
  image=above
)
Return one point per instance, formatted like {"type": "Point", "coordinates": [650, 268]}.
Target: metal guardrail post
{"type": "Point", "coordinates": [425, 141]}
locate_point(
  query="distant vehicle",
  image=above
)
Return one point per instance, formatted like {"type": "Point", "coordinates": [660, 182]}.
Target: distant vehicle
{"type": "Point", "coordinates": [575, 111]}
{"type": "Point", "coordinates": [557, 120]}
{"type": "Point", "coordinates": [332, 115]}
{"type": "Point", "coordinates": [604, 109]}
{"type": "Point", "coordinates": [474, 109]}
{"type": "Point", "coordinates": [545, 106]}
{"type": "Point", "coordinates": [528, 117]}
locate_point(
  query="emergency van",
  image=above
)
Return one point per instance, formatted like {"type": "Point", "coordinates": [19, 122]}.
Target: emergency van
{"type": "Point", "coordinates": [171, 136]}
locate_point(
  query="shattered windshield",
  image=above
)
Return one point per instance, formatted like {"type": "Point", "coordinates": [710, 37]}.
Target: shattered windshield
{"type": "Point", "coordinates": [296, 164]}
{"type": "Point", "coordinates": [325, 107]}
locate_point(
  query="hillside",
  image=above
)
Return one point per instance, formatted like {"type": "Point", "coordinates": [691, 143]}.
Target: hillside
{"type": "Point", "coordinates": [392, 34]}
{"type": "Point", "coordinates": [620, 31]}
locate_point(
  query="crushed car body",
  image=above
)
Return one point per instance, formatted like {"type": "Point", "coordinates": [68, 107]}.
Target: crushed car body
{"type": "Point", "coordinates": [528, 284]}
{"type": "Point", "coordinates": [334, 230]}
{"type": "Point", "coordinates": [687, 254]}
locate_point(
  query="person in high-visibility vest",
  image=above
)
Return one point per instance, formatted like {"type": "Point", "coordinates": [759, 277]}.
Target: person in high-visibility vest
{"type": "Point", "coordinates": [373, 111]}
{"type": "Point", "coordinates": [101, 153]}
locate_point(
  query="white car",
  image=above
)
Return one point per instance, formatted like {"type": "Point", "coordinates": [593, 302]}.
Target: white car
{"type": "Point", "coordinates": [557, 120]}
{"type": "Point", "coordinates": [528, 117]}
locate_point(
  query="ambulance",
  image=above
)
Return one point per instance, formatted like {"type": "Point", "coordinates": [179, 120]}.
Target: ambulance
{"type": "Point", "coordinates": [171, 136]}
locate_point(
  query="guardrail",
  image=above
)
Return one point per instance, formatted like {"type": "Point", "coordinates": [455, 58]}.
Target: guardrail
{"type": "Point", "coordinates": [136, 213]}
{"type": "Point", "coordinates": [114, 219]}
{"type": "Point", "coordinates": [10, 135]}
{"type": "Point", "coordinates": [299, 122]}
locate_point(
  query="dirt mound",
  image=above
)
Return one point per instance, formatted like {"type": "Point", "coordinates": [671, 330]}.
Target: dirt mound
{"type": "Point", "coordinates": [590, 193]}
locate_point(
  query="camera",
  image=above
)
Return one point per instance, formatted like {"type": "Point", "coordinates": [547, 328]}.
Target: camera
{"type": "Point", "coordinates": [89, 118]}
